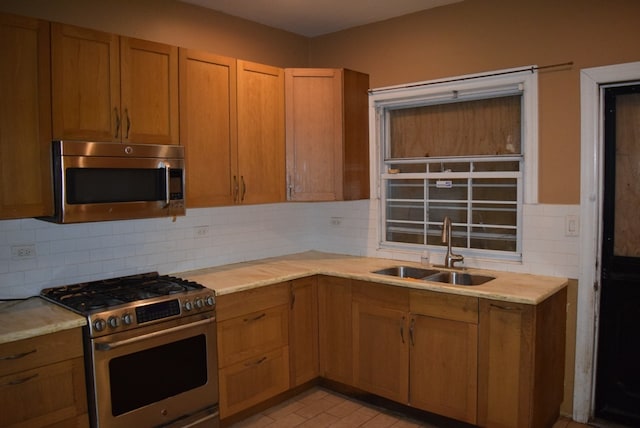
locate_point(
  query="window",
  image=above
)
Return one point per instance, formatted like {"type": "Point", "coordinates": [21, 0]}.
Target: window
{"type": "Point", "coordinates": [465, 148]}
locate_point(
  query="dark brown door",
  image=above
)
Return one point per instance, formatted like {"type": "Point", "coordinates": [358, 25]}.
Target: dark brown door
{"type": "Point", "coordinates": [618, 368]}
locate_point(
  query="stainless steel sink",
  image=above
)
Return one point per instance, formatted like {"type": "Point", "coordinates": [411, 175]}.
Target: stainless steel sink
{"type": "Point", "coordinates": [458, 278]}
{"type": "Point", "coordinates": [407, 272]}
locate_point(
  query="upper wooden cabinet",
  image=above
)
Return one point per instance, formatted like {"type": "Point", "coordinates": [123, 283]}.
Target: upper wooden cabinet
{"type": "Point", "coordinates": [521, 362]}
{"type": "Point", "coordinates": [208, 127]}
{"type": "Point", "coordinates": [25, 118]}
{"type": "Point", "coordinates": [261, 145]}
{"type": "Point", "coordinates": [327, 134]}
{"type": "Point", "coordinates": [111, 88]}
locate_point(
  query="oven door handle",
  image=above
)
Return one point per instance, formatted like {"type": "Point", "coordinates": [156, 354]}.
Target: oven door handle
{"type": "Point", "coordinates": [119, 343]}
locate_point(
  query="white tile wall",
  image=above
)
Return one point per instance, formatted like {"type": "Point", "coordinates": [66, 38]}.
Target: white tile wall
{"type": "Point", "coordinates": [67, 254]}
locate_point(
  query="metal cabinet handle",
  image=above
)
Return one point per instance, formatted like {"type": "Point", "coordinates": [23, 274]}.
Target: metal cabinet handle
{"type": "Point", "coordinates": [259, 317]}
{"type": "Point", "coordinates": [402, 329]}
{"type": "Point", "coordinates": [20, 381]}
{"type": "Point", "coordinates": [236, 190]}
{"type": "Point", "coordinates": [244, 188]}
{"type": "Point", "coordinates": [17, 356]}
{"type": "Point", "coordinates": [117, 113]}
{"type": "Point", "coordinates": [126, 112]}
{"type": "Point", "coordinates": [411, 328]}
{"type": "Point", "coordinates": [255, 363]}
{"type": "Point", "coordinates": [505, 308]}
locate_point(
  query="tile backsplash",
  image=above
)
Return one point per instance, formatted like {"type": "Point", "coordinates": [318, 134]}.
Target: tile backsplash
{"type": "Point", "coordinates": [71, 253]}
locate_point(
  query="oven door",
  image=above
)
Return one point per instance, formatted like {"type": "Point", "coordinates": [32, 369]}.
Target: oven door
{"type": "Point", "coordinates": [157, 374]}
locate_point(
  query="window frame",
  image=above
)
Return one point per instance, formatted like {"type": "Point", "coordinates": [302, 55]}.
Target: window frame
{"type": "Point", "coordinates": [482, 85]}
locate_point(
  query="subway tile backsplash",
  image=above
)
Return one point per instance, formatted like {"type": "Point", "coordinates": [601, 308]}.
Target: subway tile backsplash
{"type": "Point", "coordinates": [71, 253]}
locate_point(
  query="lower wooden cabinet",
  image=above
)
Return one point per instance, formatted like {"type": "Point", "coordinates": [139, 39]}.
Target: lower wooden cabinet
{"type": "Point", "coordinates": [381, 340]}
{"type": "Point", "coordinates": [303, 330]}
{"type": "Point", "coordinates": [42, 382]}
{"type": "Point", "coordinates": [334, 330]}
{"type": "Point", "coordinates": [444, 354]}
{"type": "Point", "coordinates": [521, 362]}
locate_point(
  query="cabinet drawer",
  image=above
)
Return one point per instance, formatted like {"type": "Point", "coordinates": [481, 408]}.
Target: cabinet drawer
{"type": "Point", "coordinates": [45, 395]}
{"type": "Point", "coordinates": [250, 382]}
{"type": "Point", "coordinates": [39, 351]}
{"type": "Point", "coordinates": [238, 304]}
{"type": "Point", "coordinates": [252, 334]}
{"type": "Point", "coordinates": [443, 305]}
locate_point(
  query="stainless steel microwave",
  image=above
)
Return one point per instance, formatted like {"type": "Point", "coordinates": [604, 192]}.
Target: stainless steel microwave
{"type": "Point", "coordinates": [96, 181]}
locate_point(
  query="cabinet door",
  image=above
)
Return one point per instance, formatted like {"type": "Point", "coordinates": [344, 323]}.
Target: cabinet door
{"type": "Point", "coordinates": [250, 382]}
{"type": "Point", "coordinates": [444, 367]}
{"type": "Point", "coordinates": [335, 332]}
{"type": "Point", "coordinates": [303, 330]}
{"type": "Point", "coordinates": [505, 364]}
{"type": "Point", "coordinates": [208, 127]}
{"type": "Point", "coordinates": [85, 84]}
{"type": "Point", "coordinates": [314, 134]}
{"type": "Point", "coordinates": [261, 145]}
{"type": "Point", "coordinates": [149, 88]}
{"type": "Point", "coordinates": [381, 351]}
{"type": "Point", "coordinates": [25, 124]}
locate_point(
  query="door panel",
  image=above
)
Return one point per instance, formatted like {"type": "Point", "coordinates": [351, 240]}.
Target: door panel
{"type": "Point", "coordinates": [618, 371]}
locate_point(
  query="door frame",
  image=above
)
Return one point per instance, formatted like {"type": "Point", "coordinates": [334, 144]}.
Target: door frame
{"type": "Point", "coordinates": [591, 193]}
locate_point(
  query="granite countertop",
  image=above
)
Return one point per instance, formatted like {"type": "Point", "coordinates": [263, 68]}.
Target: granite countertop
{"type": "Point", "coordinates": [507, 286]}
{"type": "Point", "coordinates": [22, 319]}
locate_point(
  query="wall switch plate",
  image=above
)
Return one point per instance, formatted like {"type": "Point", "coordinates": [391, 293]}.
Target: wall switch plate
{"type": "Point", "coordinates": [571, 225]}
{"type": "Point", "coordinates": [201, 231]}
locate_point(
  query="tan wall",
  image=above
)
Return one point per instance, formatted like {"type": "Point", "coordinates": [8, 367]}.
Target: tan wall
{"type": "Point", "coordinates": [482, 35]}
{"type": "Point", "coordinates": [175, 23]}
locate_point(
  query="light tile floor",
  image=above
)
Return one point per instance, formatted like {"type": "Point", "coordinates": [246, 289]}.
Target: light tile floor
{"type": "Point", "coordinates": [321, 408]}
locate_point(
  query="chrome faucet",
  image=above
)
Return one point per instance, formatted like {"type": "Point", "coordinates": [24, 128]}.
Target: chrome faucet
{"type": "Point", "coordinates": [450, 258]}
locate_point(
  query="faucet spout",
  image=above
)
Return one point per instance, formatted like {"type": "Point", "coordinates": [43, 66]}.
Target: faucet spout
{"type": "Point", "coordinates": [450, 258]}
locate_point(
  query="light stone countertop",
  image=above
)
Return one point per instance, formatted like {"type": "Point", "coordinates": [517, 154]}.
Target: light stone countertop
{"type": "Point", "coordinates": [23, 319]}
{"type": "Point", "coordinates": [507, 286]}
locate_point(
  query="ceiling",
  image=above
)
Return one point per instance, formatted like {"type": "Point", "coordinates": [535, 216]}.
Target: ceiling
{"type": "Point", "coordinates": [312, 18]}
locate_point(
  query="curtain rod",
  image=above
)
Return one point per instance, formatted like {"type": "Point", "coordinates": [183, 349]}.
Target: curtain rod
{"type": "Point", "coordinates": [533, 69]}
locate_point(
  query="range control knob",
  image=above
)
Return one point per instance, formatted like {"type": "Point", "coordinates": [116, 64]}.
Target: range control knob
{"type": "Point", "coordinates": [113, 321]}
{"type": "Point", "coordinates": [99, 324]}
{"type": "Point", "coordinates": [210, 301]}
{"type": "Point", "coordinates": [199, 303]}
{"type": "Point", "coordinates": [127, 319]}
{"type": "Point", "coordinates": [188, 306]}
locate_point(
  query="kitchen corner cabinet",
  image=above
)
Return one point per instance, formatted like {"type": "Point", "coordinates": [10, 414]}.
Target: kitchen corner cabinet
{"type": "Point", "coordinates": [261, 138]}
{"type": "Point", "coordinates": [335, 330]}
{"type": "Point", "coordinates": [327, 134]}
{"type": "Point", "coordinates": [208, 127]}
{"type": "Point", "coordinates": [111, 88]}
{"type": "Point", "coordinates": [25, 118]}
{"type": "Point", "coordinates": [253, 352]}
{"type": "Point", "coordinates": [303, 330]}
{"type": "Point", "coordinates": [521, 362]}
{"type": "Point", "coordinates": [42, 381]}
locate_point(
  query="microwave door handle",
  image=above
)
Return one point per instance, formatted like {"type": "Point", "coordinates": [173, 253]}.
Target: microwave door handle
{"type": "Point", "coordinates": [167, 176]}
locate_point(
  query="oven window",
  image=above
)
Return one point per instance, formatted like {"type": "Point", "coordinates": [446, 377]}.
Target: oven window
{"type": "Point", "coordinates": [104, 185]}
{"type": "Point", "coordinates": [151, 375]}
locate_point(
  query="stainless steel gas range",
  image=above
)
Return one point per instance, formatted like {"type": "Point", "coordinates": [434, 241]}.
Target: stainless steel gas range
{"type": "Point", "coordinates": [150, 350]}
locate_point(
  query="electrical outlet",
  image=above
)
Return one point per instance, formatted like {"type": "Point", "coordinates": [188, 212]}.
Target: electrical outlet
{"type": "Point", "coordinates": [201, 231]}
{"type": "Point", "coordinates": [571, 225]}
{"type": "Point", "coordinates": [336, 221]}
{"type": "Point", "coordinates": [21, 252]}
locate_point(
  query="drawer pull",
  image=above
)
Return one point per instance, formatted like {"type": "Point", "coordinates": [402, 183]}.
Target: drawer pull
{"type": "Point", "coordinates": [259, 317]}
{"type": "Point", "coordinates": [505, 308]}
{"type": "Point", "coordinates": [20, 381]}
{"type": "Point", "coordinates": [256, 363]}
{"type": "Point", "coordinates": [17, 356]}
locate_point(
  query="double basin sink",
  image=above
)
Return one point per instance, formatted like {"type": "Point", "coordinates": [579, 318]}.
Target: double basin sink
{"type": "Point", "coordinates": [442, 276]}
